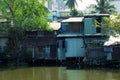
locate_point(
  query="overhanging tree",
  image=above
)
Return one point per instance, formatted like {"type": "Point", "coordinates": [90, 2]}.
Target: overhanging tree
{"type": "Point", "coordinates": [111, 23]}
{"type": "Point", "coordinates": [28, 14]}
{"type": "Point", "coordinates": [22, 15]}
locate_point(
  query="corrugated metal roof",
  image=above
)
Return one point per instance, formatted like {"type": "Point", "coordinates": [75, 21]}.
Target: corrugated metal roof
{"type": "Point", "coordinates": [55, 25]}
{"type": "Point", "coordinates": [96, 15]}
{"type": "Point", "coordinates": [70, 35]}
{"type": "Point", "coordinates": [74, 19]}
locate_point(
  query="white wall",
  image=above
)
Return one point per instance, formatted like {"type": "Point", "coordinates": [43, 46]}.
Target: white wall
{"type": "Point", "coordinates": [74, 47]}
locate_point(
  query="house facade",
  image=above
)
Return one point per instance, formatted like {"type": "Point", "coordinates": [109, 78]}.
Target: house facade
{"type": "Point", "coordinates": [76, 35]}
{"type": "Point", "coordinates": [70, 40]}
{"type": "Point", "coordinates": [94, 40]}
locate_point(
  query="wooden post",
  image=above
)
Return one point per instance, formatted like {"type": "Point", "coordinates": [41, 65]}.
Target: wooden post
{"type": "Point", "coordinates": [33, 54]}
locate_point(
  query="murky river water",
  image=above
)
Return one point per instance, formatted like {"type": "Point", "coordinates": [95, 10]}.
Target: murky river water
{"type": "Point", "coordinates": [58, 73]}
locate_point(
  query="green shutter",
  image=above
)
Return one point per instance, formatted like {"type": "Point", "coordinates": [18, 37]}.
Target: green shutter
{"type": "Point", "coordinates": [88, 26]}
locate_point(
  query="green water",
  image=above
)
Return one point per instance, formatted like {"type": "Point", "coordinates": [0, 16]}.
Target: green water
{"type": "Point", "coordinates": [58, 73]}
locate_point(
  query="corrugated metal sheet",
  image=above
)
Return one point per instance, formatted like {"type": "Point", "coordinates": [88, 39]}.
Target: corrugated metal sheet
{"type": "Point", "coordinates": [74, 19]}
{"type": "Point", "coordinates": [96, 15]}
{"type": "Point", "coordinates": [70, 35]}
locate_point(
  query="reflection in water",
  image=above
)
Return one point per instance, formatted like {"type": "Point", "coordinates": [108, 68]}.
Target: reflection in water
{"type": "Point", "coordinates": [58, 73]}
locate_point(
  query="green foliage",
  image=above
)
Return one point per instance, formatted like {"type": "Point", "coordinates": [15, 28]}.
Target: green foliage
{"type": "Point", "coordinates": [21, 15]}
{"type": "Point", "coordinates": [74, 12]}
{"type": "Point", "coordinates": [15, 36]}
{"type": "Point", "coordinates": [71, 4]}
{"type": "Point", "coordinates": [103, 7]}
{"type": "Point", "coordinates": [14, 44]}
{"type": "Point", "coordinates": [94, 43]}
{"type": "Point", "coordinates": [110, 24]}
{"type": "Point", "coordinates": [81, 13]}
{"type": "Point", "coordinates": [29, 15]}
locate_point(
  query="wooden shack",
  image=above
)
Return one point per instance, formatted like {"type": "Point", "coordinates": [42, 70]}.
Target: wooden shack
{"type": "Point", "coordinates": [112, 52]}
{"type": "Point", "coordinates": [43, 45]}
